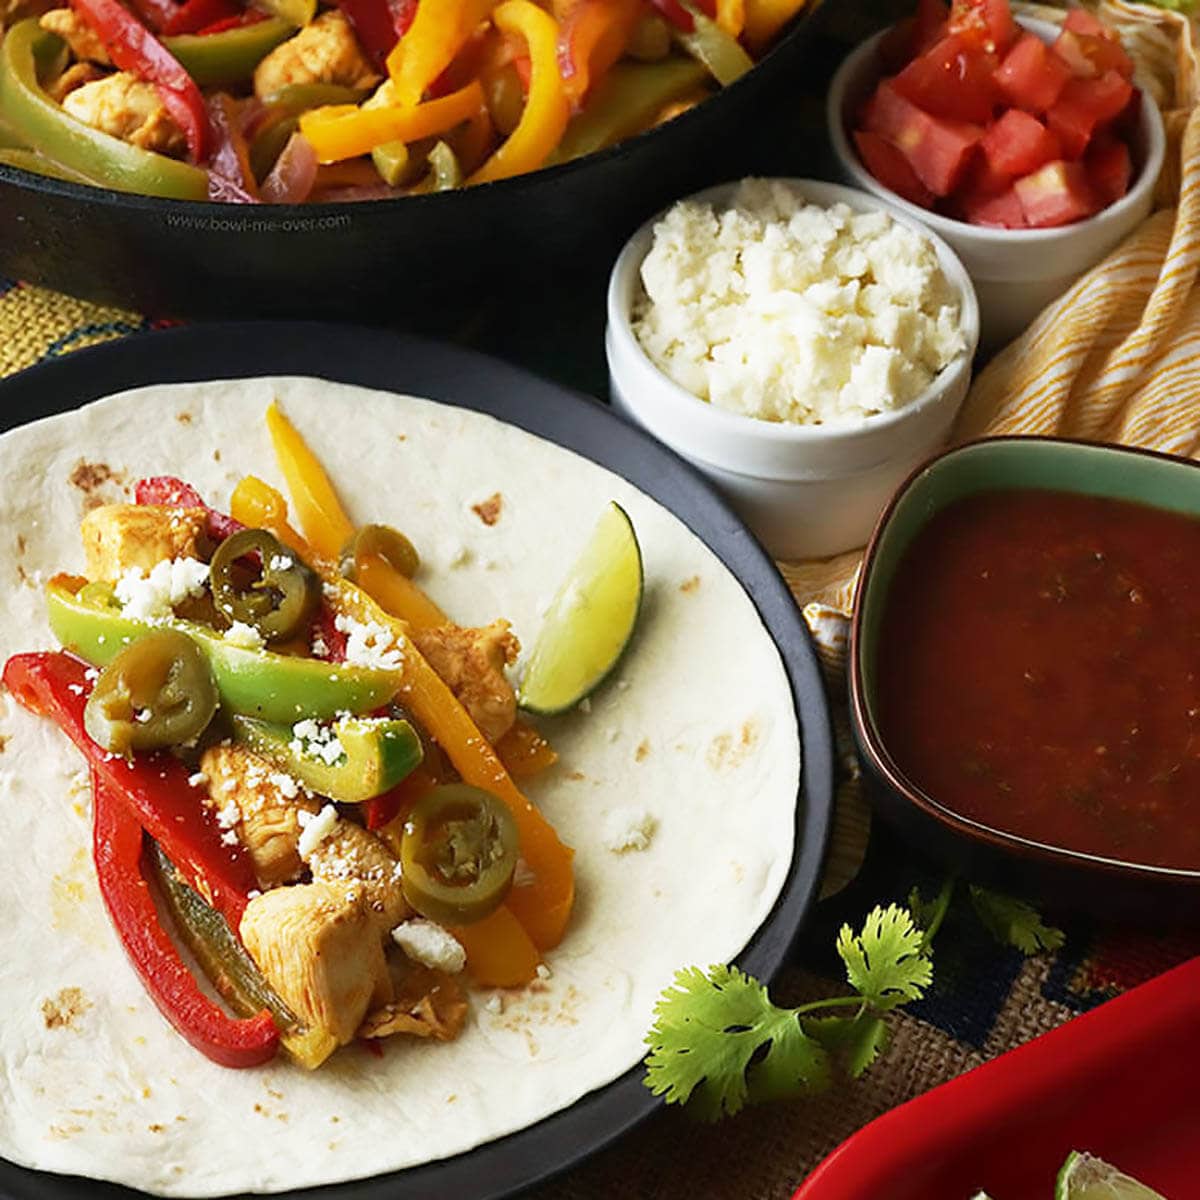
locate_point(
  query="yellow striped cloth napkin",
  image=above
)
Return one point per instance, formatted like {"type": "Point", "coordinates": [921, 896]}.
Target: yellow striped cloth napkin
{"type": "Point", "coordinates": [1116, 359]}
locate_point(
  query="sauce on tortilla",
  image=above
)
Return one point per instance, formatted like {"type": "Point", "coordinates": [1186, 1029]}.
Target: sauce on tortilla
{"type": "Point", "coordinates": [1039, 671]}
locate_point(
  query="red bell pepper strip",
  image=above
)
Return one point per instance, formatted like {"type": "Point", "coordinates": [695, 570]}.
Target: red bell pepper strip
{"type": "Point", "coordinates": [676, 14]}
{"type": "Point", "coordinates": [117, 850]}
{"type": "Point", "coordinates": [132, 47]}
{"type": "Point", "coordinates": [154, 788]}
{"type": "Point", "coordinates": [379, 24]}
{"type": "Point", "coordinates": [169, 492]}
{"type": "Point", "coordinates": [592, 35]}
{"type": "Point", "coordinates": [195, 15]}
{"type": "Point", "coordinates": [157, 14]}
{"type": "Point", "coordinates": [331, 637]}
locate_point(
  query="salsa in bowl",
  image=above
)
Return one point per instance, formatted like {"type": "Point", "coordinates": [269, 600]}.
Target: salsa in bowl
{"type": "Point", "coordinates": [1026, 675]}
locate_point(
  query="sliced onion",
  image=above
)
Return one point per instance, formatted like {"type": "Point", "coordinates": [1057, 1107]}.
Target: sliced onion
{"type": "Point", "coordinates": [293, 175]}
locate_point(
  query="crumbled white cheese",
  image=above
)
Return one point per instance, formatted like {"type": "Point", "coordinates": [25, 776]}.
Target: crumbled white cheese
{"type": "Point", "coordinates": [431, 945]}
{"type": "Point", "coordinates": [315, 829]}
{"type": "Point", "coordinates": [628, 829]}
{"type": "Point", "coordinates": [288, 787]}
{"type": "Point", "coordinates": [523, 875]}
{"type": "Point", "coordinates": [369, 644]}
{"type": "Point", "coordinates": [243, 635]}
{"type": "Point", "coordinates": [494, 1003]}
{"type": "Point", "coordinates": [229, 838]}
{"type": "Point", "coordinates": [228, 815]}
{"type": "Point", "coordinates": [786, 311]}
{"type": "Point", "coordinates": [199, 779]}
{"type": "Point", "coordinates": [317, 741]}
{"type": "Point", "coordinates": [585, 705]}
{"type": "Point", "coordinates": [153, 597]}
{"type": "Point", "coordinates": [543, 971]}
{"type": "Point", "coordinates": [281, 562]}
{"type": "Point", "coordinates": [319, 648]}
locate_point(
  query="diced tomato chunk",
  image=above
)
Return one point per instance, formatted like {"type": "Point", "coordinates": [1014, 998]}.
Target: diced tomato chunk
{"type": "Point", "coordinates": [1087, 57]}
{"type": "Point", "coordinates": [1031, 77]}
{"type": "Point", "coordinates": [939, 151]}
{"type": "Point", "coordinates": [1084, 107]}
{"type": "Point", "coordinates": [1003, 210]}
{"type": "Point", "coordinates": [1080, 20]}
{"type": "Point", "coordinates": [1018, 144]}
{"type": "Point", "coordinates": [1057, 194]}
{"type": "Point", "coordinates": [1109, 169]}
{"type": "Point", "coordinates": [987, 23]}
{"type": "Point", "coordinates": [891, 168]}
{"type": "Point", "coordinates": [953, 80]}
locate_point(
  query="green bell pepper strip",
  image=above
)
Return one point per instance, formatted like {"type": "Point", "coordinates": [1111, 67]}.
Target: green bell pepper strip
{"type": "Point", "coordinates": [376, 755]}
{"type": "Point", "coordinates": [232, 54]}
{"type": "Point", "coordinates": [296, 13]}
{"type": "Point", "coordinates": [283, 118]}
{"type": "Point", "coordinates": [59, 137]}
{"type": "Point", "coordinates": [37, 164]}
{"type": "Point", "coordinates": [628, 97]}
{"type": "Point", "coordinates": [258, 683]}
{"type": "Point", "coordinates": [710, 44]}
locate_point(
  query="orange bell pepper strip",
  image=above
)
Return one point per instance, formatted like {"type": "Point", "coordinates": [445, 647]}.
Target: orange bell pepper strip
{"type": "Point", "coordinates": [440, 29]}
{"type": "Point", "coordinates": [593, 34]}
{"type": "Point", "coordinates": [524, 752]}
{"type": "Point", "coordinates": [262, 507]}
{"type": "Point", "coordinates": [499, 951]}
{"type": "Point", "coordinates": [396, 593]}
{"type": "Point", "coordinates": [765, 18]}
{"type": "Point", "coordinates": [543, 902]}
{"type": "Point", "coordinates": [731, 16]}
{"type": "Point", "coordinates": [341, 131]}
{"type": "Point", "coordinates": [547, 108]}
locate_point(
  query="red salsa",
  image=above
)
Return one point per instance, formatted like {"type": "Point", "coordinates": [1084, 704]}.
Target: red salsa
{"type": "Point", "coordinates": [1039, 671]}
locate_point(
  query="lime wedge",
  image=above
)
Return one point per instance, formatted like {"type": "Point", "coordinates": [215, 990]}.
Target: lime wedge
{"type": "Point", "coordinates": [1085, 1177]}
{"type": "Point", "coordinates": [590, 620]}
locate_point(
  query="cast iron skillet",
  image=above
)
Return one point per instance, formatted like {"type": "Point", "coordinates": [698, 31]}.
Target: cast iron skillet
{"type": "Point", "coordinates": [402, 363]}
{"type": "Point", "coordinates": [383, 258]}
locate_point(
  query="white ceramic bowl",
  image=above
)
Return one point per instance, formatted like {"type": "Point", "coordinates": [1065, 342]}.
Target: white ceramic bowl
{"type": "Point", "coordinates": [807, 491]}
{"type": "Point", "coordinates": [1016, 272]}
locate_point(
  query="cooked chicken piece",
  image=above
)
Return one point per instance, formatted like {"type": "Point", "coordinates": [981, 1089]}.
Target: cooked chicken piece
{"type": "Point", "coordinates": [427, 1003]}
{"type": "Point", "coordinates": [128, 108]}
{"type": "Point", "coordinates": [119, 536]}
{"type": "Point", "coordinates": [324, 52]}
{"type": "Point", "coordinates": [472, 661]}
{"type": "Point", "coordinates": [85, 43]}
{"type": "Point", "coordinates": [246, 793]}
{"type": "Point", "coordinates": [75, 76]}
{"type": "Point", "coordinates": [320, 948]}
{"type": "Point", "coordinates": [354, 855]}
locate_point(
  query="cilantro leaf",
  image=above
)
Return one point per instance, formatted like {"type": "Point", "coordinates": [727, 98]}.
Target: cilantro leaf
{"type": "Point", "coordinates": [928, 915]}
{"type": "Point", "coordinates": [1014, 923]}
{"type": "Point", "coordinates": [858, 1041]}
{"type": "Point", "coordinates": [710, 1027]}
{"type": "Point", "coordinates": [885, 962]}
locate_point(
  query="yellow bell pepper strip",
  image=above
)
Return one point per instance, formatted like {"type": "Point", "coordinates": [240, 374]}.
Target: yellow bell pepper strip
{"type": "Point", "coordinates": [396, 594]}
{"type": "Point", "coordinates": [325, 527]}
{"type": "Point", "coordinates": [499, 951]}
{"type": "Point", "coordinates": [765, 18]}
{"type": "Point", "coordinates": [547, 108]}
{"type": "Point", "coordinates": [524, 752]}
{"type": "Point", "coordinates": [341, 132]}
{"type": "Point", "coordinates": [230, 55]}
{"type": "Point", "coordinates": [71, 144]}
{"type": "Point", "coordinates": [543, 903]}
{"type": "Point", "coordinates": [257, 683]}
{"type": "Point", "coordinates": [710, 44]}
{"type": "Point", "coordinates": [257, 505]}
{"type": "Point", "coordinates": [439, 30]}
{"type": "Point", "coordinates": [731, 16]}
{"type": "Point", "coordinates": [593, 34]}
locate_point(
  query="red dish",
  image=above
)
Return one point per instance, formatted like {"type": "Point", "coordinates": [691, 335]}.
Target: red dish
{"type": "Point", "coordinates": [1119, 1081]}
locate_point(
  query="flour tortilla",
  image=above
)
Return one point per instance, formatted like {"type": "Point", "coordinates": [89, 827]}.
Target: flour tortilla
{"type": "Point", "coordinates": [697, 729]}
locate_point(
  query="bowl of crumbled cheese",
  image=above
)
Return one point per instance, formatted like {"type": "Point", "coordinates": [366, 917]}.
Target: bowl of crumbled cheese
{"type": "Point", "coordinates": [805, 345]}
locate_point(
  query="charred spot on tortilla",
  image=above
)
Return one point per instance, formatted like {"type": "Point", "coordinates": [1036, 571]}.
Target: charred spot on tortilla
{"type": "Point", "coordinates": [4, 739]}
{"type": "Point", "coordinates": [643, 750]}
{"type": "Point", "coordinates": [727, 752]}
{"type": "Point", "coordinates": [93, 477]}
{"type": "Point", "coordinates": [690, 585]}
{"type": "Point", "coordinates": [184, 418]}
{"type": "Point", "coordinates": [21, 544]}
{"type": "Point", "coordinates": [60, 1011]}
{"type": "Point", "coordinates": [488, 511]}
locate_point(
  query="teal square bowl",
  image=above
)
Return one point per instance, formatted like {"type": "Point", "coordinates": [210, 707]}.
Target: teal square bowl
{"type": "Point", "coordinates": [984, 853]}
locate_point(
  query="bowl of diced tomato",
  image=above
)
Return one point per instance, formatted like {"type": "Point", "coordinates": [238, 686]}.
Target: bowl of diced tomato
{"type": "Point", "coordinates": [1028, 147]}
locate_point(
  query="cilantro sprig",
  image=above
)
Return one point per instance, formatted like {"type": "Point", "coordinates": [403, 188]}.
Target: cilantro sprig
{"type": "Point", "coordinates": [1010, 921]}
{"type": "Point", "coordinates": [718, 1042]}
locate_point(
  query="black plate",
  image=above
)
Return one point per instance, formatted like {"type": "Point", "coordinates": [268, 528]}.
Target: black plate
{"type": "Point", "coordinates": [400, 363]}
{"type": "Point", "coordinates": [370, 260]}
